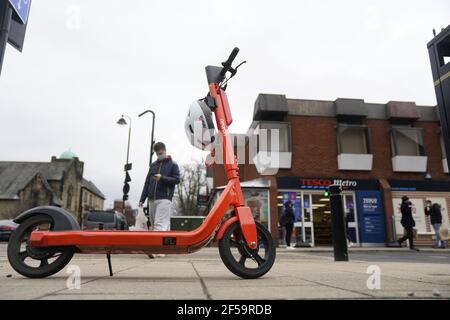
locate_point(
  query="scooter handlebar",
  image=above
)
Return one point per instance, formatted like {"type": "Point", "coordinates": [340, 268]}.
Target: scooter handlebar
{"type": "Point", "coordinates": [227, 64]}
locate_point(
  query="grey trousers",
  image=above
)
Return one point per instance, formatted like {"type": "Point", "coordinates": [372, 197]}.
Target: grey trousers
{"type": "Point", "coordinates": [160, 212]}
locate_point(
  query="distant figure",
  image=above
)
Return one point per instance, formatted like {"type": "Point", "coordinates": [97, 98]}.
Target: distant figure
{"type": "Point", "coordinates": [433, 210]}
{"type": "Point", "coordinates": [287, 221]}
{"type": "Point", "coordinates": [349, 217]}
{"type": "Point", "coordinates": [407, 222]}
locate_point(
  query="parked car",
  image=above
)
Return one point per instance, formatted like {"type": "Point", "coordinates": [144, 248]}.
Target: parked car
{"type": "Point", "coordinates": [6, 229]}
{"type": "Point", "coordinates": [105, 220]}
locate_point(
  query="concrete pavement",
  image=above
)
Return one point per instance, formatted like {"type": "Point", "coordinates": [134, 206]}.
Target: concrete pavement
{"type": "Point", "coordinates": [297, 274]}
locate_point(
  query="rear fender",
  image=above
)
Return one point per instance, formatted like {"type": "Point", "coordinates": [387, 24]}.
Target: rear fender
{"type": "Point", "coordinates": [62, 219]}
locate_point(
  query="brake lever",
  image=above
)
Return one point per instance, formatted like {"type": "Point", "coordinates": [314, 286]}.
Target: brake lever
{"type": "Point", "coordinates": [233, 71]}
{"type": "Point", "coordinates": [240, 64]}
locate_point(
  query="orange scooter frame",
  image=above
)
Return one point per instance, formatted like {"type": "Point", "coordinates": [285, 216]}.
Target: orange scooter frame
{"type": "Point", "coordinates": [176, 242]}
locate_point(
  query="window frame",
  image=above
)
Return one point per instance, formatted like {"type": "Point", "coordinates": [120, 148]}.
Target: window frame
{"type": "Point", "coordinates": [394, 148]}
{"type": "Point", "coordinates": [286, 124]}
{"type": "Point", "coordinates": [368, 137]}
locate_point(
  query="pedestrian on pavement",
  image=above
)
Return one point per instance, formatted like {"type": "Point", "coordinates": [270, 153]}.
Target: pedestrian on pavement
{"type": "Point", "coordinates": [349, 217]}
{"type": "Point", "coordinates": [433, 210]}
{"type": "Point", "coordinates": [407, 222]}
{"type": "Point", "coordinates": [159, 188]}
{"type": "Point", "coordinates": [287, 221]}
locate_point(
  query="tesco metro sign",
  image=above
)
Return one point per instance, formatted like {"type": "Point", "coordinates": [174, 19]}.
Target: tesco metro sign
{"type": "Point", "coordinates": [323, 183]}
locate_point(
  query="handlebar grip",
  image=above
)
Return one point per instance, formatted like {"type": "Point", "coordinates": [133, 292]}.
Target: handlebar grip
{"type": "Point", "coordinates": [227, 64]}
{"type": "Point", "coordinates": [232, 55]}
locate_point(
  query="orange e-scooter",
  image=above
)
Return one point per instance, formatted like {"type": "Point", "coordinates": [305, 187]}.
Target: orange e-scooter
{"type": "Point", "coordinates": [48, 236]}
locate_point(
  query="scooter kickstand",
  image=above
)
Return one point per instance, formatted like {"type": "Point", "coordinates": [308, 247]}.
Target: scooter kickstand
{"type": "Point", "coordinates": [108, 256]}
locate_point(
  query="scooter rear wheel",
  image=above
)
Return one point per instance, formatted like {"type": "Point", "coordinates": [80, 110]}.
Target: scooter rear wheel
{"type": "Point", "coordinates": [36, 262]}
{"type": "Point", "coordinates": [240, 259]}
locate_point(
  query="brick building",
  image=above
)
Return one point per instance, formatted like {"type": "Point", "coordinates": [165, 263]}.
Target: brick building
{"type": "Point", "coordinates": [377, 152]}
{"type": "Point", "coordinates": [60, 182]}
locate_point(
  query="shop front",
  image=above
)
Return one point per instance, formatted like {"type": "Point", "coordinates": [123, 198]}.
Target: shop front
{"type": "Point", "coordinates": [363, 206]}
{"type": "Point", "coordinates": [256, 197]}
{"type": "Point", "coordinates": [419, 192]}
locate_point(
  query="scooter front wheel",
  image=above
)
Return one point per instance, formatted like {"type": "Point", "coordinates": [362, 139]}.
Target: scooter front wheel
{"type": "Point", "coordinates": [36, 262]}
{"type": "Point", "coordinates": [240, 259]}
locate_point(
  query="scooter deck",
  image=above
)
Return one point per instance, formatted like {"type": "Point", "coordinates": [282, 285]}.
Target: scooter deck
{"type": "Point", "coordinates": [180, 242]}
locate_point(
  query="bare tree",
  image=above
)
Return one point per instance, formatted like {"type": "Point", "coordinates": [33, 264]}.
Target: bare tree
{"type": "Point", "coordinates": [192, 181]}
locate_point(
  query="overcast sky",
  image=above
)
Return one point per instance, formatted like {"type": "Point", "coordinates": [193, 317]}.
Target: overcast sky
{"type": "Point", "coordinates": [86, 62]}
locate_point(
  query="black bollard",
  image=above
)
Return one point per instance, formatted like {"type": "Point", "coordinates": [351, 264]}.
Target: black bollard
{"type": "Point", "coordinates": [339, 229]}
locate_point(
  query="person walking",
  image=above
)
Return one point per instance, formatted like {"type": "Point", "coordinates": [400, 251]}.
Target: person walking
{"type": "Point", "coordinates": [349, 217]}
{"type": "Point", "coordinates": [407, 222]}
{"type": "Point", "coordinates": [433, 210]}
{"type": "Point", "coordinates": [159, 188]}
{"type": "Point", "coordinates": [287, 221]}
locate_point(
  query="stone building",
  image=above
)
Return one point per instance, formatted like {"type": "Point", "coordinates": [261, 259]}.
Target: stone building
{"type": "Point", "coordinates": [60, 182]}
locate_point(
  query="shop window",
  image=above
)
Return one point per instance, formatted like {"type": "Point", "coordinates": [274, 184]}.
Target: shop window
{"type": "Point", "coordinates": [353, 139]}
{"type": "Point", "coordinates": [266, 130]}
{"type": "Point", "coordinates": [407, 141]}
{"type": "Point", "coordinates": [258, 202]}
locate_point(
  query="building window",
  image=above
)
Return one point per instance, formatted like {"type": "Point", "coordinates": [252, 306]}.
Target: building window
{"type": "Point", "coordinates": [266, 129]}
{"type": "Point", "coordinates": [353, 139]}
{"type": "Point", "coordinates": [407, 141]}
{"type": "Point", "coordinates": [34, 198]}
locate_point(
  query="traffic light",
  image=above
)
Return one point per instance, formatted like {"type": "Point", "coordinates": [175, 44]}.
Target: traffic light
{"type": "Point", "coordinates": [326, 193]}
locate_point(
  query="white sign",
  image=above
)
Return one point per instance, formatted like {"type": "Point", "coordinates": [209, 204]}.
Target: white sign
{"type": "Point", "coordinates": [444, 211]}
{"type": "Point", "coordinates": [418, 213]}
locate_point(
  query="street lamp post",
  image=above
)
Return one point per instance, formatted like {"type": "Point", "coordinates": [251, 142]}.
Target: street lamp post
{"type": "Point", "coordinates": [152, 142]}
{"type": "Point", "coordinates": [127, 167]}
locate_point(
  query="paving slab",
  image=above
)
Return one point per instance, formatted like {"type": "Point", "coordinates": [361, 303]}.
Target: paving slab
{"type": "Point", "coordinates": [297, 274]}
